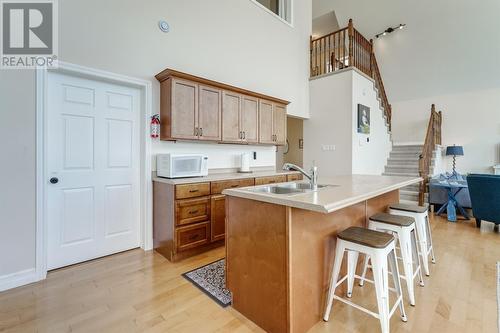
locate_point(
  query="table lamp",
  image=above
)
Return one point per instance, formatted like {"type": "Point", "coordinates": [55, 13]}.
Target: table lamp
{"type": "Point", "coordinates": [454, 151]}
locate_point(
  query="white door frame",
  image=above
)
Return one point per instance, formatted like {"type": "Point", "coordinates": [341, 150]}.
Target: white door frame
{"type": "Point", "coordinates": [146, 223]}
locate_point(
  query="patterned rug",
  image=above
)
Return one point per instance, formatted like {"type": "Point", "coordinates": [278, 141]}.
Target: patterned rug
{"type": "Point", "coordinates": [211, 280]}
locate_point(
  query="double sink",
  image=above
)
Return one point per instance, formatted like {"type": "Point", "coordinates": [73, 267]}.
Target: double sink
{"type": "Point", "coordinates": [287, 188]}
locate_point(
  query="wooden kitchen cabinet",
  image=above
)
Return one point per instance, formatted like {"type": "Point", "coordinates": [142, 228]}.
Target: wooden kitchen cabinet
{"type": "Point", "coordinates": [182, 112]}
{"type": "Point", "coordinates": [190, 211]}
{"type": "Point", "coordinates": [266, 131]}
{"type": "Point", "coordinates": [272, 123]}
{"type": "Point", "coordinates": [270, 180]}
{"type": "Point", "coordinates": [279, 124]}
{"type": "Point", "coordinates": [189, 219]}
{"type": "Point", "coordinates": [194, 108]}
{"type": "Point", "coordinates": [250, 119]}
{"type": "Point", "coordinates": [219, 186]}
{"type": "Point", "coordinates": [231, 104]}
{"type": "Point", "coordinates": [209, 113]}
{"type": "Point", "coordinates": [294, 177]}
{"type": "Point", "coordinates": [193, 236]}
{"type": "Point", "coordinates": [218, 217]}
{"type": "Point", "coordinates": [240, 119]}
{"type": "Point", "coordinates": [192, 190]}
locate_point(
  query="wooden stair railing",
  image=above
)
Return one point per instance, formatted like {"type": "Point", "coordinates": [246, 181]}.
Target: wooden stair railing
{"type": "Point", "coordinates": [433, 137]}
{"type": "Point", "coordinates": [344, 48]}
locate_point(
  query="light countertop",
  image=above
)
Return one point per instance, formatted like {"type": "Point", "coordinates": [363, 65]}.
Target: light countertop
{"type": "Point", "coordinates": [221, 176]}
{"type": "Point", "coordinates": [347, 190]}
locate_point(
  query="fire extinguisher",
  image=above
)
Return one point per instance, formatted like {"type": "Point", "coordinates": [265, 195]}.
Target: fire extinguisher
{"type": "Point", "coordinates": [155, 126]}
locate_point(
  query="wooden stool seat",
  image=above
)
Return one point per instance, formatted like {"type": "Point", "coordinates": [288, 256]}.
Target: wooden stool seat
{"type": "Point", "coordinates": [366, 237]}
{"type": "Point", "coordinates": [408, 208]}
{"type": "Point", "coordinates": [399, 220]}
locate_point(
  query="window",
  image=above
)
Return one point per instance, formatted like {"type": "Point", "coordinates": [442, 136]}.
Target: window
{"type": "Point", "coordinates": [280, 8]}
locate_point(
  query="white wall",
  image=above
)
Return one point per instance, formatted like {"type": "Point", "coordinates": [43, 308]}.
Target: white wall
{"type": "Point", "coordinates": [17, 167]}
{"type": "Point", "coordinates": [232, 41]}
{"type": "Point", "coordinates": [370, 157]}
{"type": "Point", "coordinates": [220, 156]}
{"type": "Point", "coordinates": [470, 119]}
{"type": "Point", "coordinates": [446, 47]}
{"type": "Point", "coordinates": [329, 125]}
{"type": "Point", "coordinates": [334, 103]}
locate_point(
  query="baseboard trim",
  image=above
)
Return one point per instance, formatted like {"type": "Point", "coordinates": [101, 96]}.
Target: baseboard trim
{"type": "Point", "coordinates": [18, 279]}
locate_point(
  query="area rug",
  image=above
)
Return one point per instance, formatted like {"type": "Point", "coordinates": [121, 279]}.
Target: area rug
{"type": "Point", "coordinates": [498, 294]}
{"type": "Point", "coordinates": [211, 280]}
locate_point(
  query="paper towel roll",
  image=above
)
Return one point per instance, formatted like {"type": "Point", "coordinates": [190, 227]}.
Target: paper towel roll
{"type": "Point", "coordinates": [245, 162]}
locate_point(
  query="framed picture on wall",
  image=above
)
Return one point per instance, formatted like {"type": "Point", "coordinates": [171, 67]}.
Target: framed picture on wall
{"type": "Point", "coordinates": [363, 119]}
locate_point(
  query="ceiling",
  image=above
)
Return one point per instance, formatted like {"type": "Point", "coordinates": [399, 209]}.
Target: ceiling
{"type": "Point", "coordinates": [448, 46]}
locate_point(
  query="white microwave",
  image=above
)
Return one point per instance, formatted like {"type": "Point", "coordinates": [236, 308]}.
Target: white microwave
{"type": "Point", "coordinates": [181, 165]}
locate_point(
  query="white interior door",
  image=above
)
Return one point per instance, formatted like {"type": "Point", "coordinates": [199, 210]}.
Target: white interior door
{"type": "Point", "coordinates": [93, 169]}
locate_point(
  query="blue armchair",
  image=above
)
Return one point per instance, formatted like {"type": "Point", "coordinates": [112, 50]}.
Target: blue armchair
{"type": "Point", "coordinates": [485, 197]}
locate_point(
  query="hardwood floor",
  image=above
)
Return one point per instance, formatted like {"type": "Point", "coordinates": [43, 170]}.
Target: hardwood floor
{"type": "Point", "coordinates": [143, 292]}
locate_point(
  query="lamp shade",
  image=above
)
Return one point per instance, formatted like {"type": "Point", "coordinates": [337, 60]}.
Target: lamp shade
{"type": "Point", "coordinates": [455, 150]}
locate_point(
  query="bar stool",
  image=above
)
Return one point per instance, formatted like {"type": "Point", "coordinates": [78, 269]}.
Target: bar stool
{"type": "Point", "coordinates": [403, 228]}
{"type": "Point", "coordinates": [421, 216]}
{"type": "Point", "coordinates": [380, 247]}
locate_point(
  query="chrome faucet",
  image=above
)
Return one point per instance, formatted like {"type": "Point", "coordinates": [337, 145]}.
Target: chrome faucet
{"type": "Point", "coordinates": [312, 176]}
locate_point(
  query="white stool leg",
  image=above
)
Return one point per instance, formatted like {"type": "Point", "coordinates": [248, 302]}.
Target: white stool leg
{"type": "Point", "coordinates": [380, 276]}
{"type": "Point", "coordinates": [422, 239]}
{"type": "Point", "coordinates": [397, 282]}
{"type": "Point", "coordinates": [339, 254]}
{"type": "Point", "coordinates": [429, 237]}
{"type": "Point", "coordinates": [406, 254]}
{"type": "Point", "coordinates": [416, 257]}
{"type": "Point", "coordinates": [352, 262]}
{"type": "Point", "coordinates": [365, 268]}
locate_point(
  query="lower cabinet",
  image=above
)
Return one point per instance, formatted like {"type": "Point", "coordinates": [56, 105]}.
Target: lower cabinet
{"type": "Point", "coordinates": [193, 236]}
{"type": "Point", "coordinates": [270, 180]}
{"type": "Point", "coordinates": [218, 217]}
{"type": "Point", "coordinates": [189, 219]}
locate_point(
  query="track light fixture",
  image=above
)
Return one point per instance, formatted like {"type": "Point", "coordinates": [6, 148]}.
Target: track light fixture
{"type": "Point", "coordinates": [390, 29]}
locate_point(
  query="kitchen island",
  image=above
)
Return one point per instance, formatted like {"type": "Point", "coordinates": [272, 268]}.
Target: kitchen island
{"type": "Point", "coordinates": [280, 244]}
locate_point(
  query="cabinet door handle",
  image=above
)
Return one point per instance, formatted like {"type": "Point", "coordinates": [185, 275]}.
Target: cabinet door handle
{"type": "Point", "coordinates": [241, 135]}
{"type": "Point", "coordinates": [234, 185]}
{"type": "Point", "coordinates": [193, 237]}
{"type": "Point", "coordinates": [193, 191]}
{"type": "Point", "coordinates": [201, 131]}
{"type": "Point", "coordinates": [193, 212]}
{"type": "Point", "coordinates": [244, 135]}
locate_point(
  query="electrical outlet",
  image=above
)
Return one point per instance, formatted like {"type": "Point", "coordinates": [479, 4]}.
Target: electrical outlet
{"type": "Point", "coordinates": [328, 147]}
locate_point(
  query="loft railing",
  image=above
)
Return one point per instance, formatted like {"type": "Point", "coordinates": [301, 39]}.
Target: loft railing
{"type": "Point", "coordinates": [432, 138]}
{"type": "Point", "coordinates": [345, 48]}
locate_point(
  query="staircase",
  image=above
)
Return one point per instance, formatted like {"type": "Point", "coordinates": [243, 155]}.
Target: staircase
{"type": "Point", "coordinates": [404, 161]}
{"type": "Point", "coordinates": [344, 48]}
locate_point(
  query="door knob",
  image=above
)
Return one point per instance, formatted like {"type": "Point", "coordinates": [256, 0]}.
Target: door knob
{"type": "Point", "coordinates": [54, 180]}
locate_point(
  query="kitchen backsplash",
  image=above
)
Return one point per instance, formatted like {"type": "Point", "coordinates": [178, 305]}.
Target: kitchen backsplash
{"type": "Point", "coordinates": [220, 156]}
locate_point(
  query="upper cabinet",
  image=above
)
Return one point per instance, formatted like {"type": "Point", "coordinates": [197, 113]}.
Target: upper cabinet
{"type": "Point", "coordinates": [272, 123]}
{"type": "Point", "coordinates": [231, 104]}
{"type": "Point", "coordinates": [183, 115]}
{"type": "Point", "coordinates": [193, 108]}
{"type": "Point", "coordinates": [266, 133]}
{"type": "Point", "coordinates": [250, 119]}
{"type": "Point", "coordinates": [279, 124]}
{"type": "Point", "coordinates": [209, 113]}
